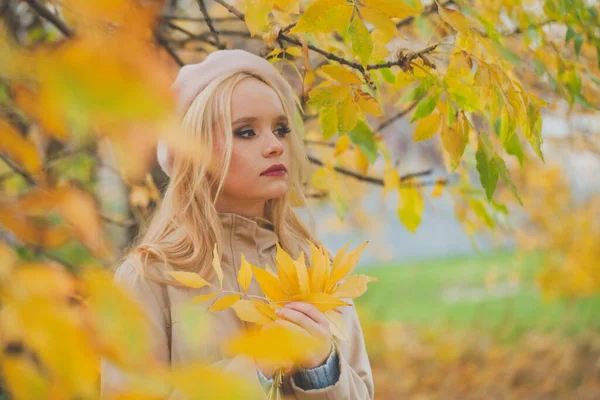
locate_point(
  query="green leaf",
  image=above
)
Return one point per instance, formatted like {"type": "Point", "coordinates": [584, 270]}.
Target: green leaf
{"type": "Point", "coordinates": [411, 94]}
{"type": "Point", "coordinates": [508, 125]}
{"type": "Point", "coordinates": [387, 75]}
{"type": "Point", "coordinates": [347, 114]}
{"type": "Point", "coordinates": [534, 133]}
{"type": "Point", "coordinates": [578, 43]}
{"type": "Point", "coordinates": [569, 35]}
{"type": "Point", "coordinates": [363, 137]}
{"type": "Point", "coordinates": [324, 16]}
{"type": "Point", "coordinates": [488, 175]}
{"type": "Point", "coordinates": [328, 95]}
{"type": "Point", "coordinates": [511, 57]}
{"type": "Point", "coordinates": [362, 44]}
{"type": "Point", "coordinates": [479, 210]}
{"type": "Point", "coordinates": [505, 175]}
{"type": "Point", "coordinates": [329, 121]}
{"type": "Point", "coordinates": [513, 147]}
{"type": "Point", "coordinates": [426, 106]}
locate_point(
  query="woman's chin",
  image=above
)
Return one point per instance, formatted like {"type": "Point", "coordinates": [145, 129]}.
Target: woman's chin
{"type": "Point", "coordinates": [276, 191]}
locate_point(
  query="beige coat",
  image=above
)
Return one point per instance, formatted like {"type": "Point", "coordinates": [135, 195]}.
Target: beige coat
{"type": "Point", "coordinates": [255, 239]}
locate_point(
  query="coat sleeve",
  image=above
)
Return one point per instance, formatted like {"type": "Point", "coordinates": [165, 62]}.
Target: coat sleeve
{"type": "Point", "coordinates": [151, 296]}
{"type": "Point", "coordinates": [355, 381]}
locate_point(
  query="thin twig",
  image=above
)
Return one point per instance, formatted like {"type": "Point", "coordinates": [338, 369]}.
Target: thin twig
{"type": "Point", "coordinates": [211, 27]}
{"type": "Point", "coordinates": [18, 170]}
{"type": "Point", "coordinates": [400, 114]}
{"type": "Point", "coordinates": [50, 17]}
{"type": "Point", "coordinates": [184, 18]}
{"type": "Point", "coordinates": [283, 36]}
{"type": "Point", "coordinates": [169, 50]}
{"type": "Point", "coordinates": [369, 179]}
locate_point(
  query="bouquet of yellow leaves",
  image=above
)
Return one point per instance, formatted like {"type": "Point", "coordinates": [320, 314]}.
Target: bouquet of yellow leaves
{"type": "Point", "coordinates": [323, 284]}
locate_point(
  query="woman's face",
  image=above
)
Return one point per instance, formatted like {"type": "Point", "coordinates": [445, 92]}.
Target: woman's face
{"type": "Point", "coordinates": [260, 130]}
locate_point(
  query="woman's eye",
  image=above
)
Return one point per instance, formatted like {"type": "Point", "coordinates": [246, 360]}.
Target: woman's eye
{"type": "Point", "coordinates": [284, 130]}
{"type": "Point", "coordinates": [245, 134]}
{"type": "Point", "coordinates": [248, 133]}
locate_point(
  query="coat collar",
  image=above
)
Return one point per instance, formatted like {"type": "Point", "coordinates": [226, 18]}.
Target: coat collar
{"type": "Point", "coordinates": [254, 236]}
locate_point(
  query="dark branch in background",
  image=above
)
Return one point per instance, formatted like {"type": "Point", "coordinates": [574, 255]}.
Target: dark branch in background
{"type": "Point", "coordinates": [183, 18]}
{"type": "Point", "coordinates": [319, 143]}
{"type": "Point", "coordinates": [163, 42]}
{"type": "Point", "coordinates": [18, 170]}
{"type": "Point", "coordinates": [50, 17]}
{"type": "Point", "coordinates": [328, 55]}
{"type": "Point", "coordinates": [210, 24]}
{"type": "Point", "coordinates": [519, 30]}
{"type": "Point", "coordinates": [232, 10]}
{"type": "Point", "coordinates": [399, 115]}
{"type": "Point", "coordinates": [369, 179]}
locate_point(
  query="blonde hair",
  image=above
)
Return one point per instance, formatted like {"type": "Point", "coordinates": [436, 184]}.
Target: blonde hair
{"type": "Point", "coordinates": [188, 201]}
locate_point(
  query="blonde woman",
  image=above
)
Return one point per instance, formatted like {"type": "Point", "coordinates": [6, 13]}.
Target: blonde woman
{"type": "Point", "coordinates": [238, 105]}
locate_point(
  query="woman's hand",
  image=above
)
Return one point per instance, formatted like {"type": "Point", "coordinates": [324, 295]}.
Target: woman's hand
{"type": "Point", "coordinates": [305, 316]}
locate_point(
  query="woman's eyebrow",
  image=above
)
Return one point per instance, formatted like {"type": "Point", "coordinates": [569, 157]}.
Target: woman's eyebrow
{"type": "Point", "coordinates": [279, 118]}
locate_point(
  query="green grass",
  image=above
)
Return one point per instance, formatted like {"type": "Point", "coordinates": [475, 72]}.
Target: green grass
{"type": "Point", "coordinates": [415, 293]}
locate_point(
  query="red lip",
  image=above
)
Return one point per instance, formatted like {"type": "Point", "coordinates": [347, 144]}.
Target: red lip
{"type": "Point", "coordinates": [274, 167]}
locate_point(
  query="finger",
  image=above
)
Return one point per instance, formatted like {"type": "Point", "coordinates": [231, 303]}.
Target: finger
{"type": "Point", "coordinates": [292, 326]}
{"type": "Point", "coordinates": [304, 321]}
{"type": "Point", "coordinates": [310, 310]}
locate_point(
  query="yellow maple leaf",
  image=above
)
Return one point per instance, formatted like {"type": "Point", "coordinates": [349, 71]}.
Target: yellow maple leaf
{"type": "Point", "coordinates": [203, 297]}
{"type": "Point", "coordinates": [269, 283]}
{"type": "Point", "coordinates": [355, 286]}
{"type": "Point", "coordinates": [343, 265]}
{"type": "Point", "coordinates": [190, 279]}
{"type": "Point", "coordinates": [286, 270]}
{"type": "Point", "coordinates": [302, 272]}
{"type": "Point", "coordinates": [322, 301]}
{"type": "Point", "coordinates": [225, 302]}
{"type": "Point", "coordinates": [320, 269]}
{"type": "Point", "coordinates": [278, 344]}
{"type": "Point", "coordinates": [245, 274]}
{"type": "Point", "coordinates": [247, 310]}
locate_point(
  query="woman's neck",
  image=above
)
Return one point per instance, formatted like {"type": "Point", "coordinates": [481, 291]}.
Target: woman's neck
{"type": "Point", "coordinates": [246, 209]}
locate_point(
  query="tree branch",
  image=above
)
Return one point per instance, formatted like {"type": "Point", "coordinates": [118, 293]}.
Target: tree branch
{"type": "Point", "coordinates": [288, 38]}
{"type": "Point", "coordinates": [18, 170]}
{"type": "Point", "coordinates": [50, 17]}
{"type": "Point", "coordinates": [164, 43]}
{"type": "Point", "coordinates": [369, 179]}
{"type": "Point", "coordinates": [519, 30]}
{"type": "Point", "coordinates": [399, 115]}
{"type": "Point", "coordinates": [209, 23]}
{"type": "Point", "coordinates": [183, 18]}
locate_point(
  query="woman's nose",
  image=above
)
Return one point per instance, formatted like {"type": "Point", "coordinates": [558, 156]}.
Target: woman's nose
{"type": "Point", "coordinates": [274, 146]}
